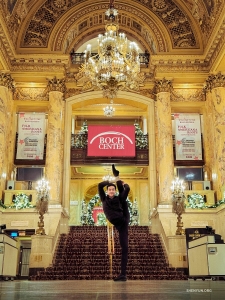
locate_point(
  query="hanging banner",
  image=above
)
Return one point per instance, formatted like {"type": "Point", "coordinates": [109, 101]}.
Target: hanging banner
{"type": "Point", "coordinates": [188, 137]}
{"type": "Point", "coordinates": [31, 135]}
{"type": "Point", "coordinates": [111, 140]}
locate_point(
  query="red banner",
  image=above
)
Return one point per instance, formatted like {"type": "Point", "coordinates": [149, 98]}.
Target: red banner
{"type": "Point", "coordinates": [111, 140]}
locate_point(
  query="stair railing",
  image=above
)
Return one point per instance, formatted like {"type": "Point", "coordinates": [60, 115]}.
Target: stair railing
{"type": "Point", "coordinates": [110, 245]}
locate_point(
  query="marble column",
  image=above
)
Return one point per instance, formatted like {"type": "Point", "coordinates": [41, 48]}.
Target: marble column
{"type": "Point", "coordinates": [216, 84]}
{"type": "Point", "coordinates": [6, 130]}
{"type": "Point", "coordinates": [55, 138]}
{"type": "Point", "coordinates": [208, 133]}
{"type": "Point", "coordinates": [164, 146]}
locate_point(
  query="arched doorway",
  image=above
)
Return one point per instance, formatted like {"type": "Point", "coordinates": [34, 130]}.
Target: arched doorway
{"type": "Point", "coordinates": [129, 105]}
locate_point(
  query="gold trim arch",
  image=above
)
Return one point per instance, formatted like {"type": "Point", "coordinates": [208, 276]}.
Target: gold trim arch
{"type": "Point", "coordinates": [137, 100]}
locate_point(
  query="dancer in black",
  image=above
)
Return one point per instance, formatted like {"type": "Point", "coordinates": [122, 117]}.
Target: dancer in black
{"type": "Point", "coordinates": [116, 211]}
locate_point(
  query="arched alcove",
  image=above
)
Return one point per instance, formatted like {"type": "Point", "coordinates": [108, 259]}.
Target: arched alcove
{"type": "Point", "coordinates": [144, 190]}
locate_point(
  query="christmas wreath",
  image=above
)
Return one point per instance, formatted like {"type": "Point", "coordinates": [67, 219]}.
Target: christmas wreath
{"type": "Point", "coordinates": [196, 201]}
{"type": "Point", "coordinates": [21, 201]}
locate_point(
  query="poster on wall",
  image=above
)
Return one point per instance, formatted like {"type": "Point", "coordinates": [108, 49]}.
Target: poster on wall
{"type": "Point", "coordinates": [31, 135]}
{"type": "Point", "coordinates": [111, 141]}
{"type": "Point", "coordinates": [188, 137]}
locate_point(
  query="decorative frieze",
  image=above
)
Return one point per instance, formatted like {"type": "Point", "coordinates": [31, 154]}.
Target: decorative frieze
{"type": "Point", "coordinates": [187, 95]}
{"type": "Point", "coordinates": [7, 81]}
{"type": "Point", "coordinates": [56, 85]}
{"type": "Point", "coordinates": [72, 92]}
{"type": "Point", "coordinates": [36, 94]}
{"type": "Point", "coordinates": [163, 85]}
{"type": "Point", "coordinates": [148, 93]}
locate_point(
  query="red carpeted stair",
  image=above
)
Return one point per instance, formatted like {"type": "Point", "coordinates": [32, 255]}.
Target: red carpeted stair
{"type": "Point", "coordinates": [83, 254]}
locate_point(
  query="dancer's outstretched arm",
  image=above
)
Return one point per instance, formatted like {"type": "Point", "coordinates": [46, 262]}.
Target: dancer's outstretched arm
{"type": "Point", "coordinates": [101, 191]}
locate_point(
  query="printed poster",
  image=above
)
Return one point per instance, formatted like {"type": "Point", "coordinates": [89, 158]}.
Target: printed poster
{"type": "Point", "coordinates": [31, 136]}
{"type": "Point", "coordinates": [188, 137]}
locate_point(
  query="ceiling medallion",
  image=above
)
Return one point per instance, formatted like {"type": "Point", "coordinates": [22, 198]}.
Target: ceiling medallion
{"type": "Point", "coordinates": [60, 4]}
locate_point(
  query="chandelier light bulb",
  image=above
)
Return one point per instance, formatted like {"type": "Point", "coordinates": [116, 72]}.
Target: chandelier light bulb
{"type": "Point", "coordinates": [108, 111]}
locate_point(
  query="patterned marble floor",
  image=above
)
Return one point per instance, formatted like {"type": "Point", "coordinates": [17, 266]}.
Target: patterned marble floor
{"type": "Point", "coordinates": [110, 290]}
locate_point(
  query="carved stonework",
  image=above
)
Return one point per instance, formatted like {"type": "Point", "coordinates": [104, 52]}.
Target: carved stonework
{"type": "Point", "coordinates": [214, 81]}
{"type": "Point", "coordinates": [36, 94]}
{"type": "Point", "coordinates": [72, 92]}
{"type": "Point", "coordinates": [72, 33]}
{"type": "Point", "coordinates": [56, 85]}
{"type": "Point", "coordinates": [177, 22]}
{"type": "Point", "coordinates": [148, 93]}
{"type": "Point", "coordinates": [163, 85]}
{"type": "Point", "coordinates": [7, 81]}
{"type": "Point", "coordinates": [185, 95]}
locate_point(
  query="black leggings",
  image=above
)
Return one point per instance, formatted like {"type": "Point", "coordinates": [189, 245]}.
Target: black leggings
{"type": "Point", "coordinates": [122, 227]}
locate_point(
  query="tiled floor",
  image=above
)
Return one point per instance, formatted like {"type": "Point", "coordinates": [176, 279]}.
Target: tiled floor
{"type": "Point", "coordinates": [110, 290]}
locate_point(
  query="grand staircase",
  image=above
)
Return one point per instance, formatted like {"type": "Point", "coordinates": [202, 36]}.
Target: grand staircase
{"type": "Point", "coordinates": [83, 254]}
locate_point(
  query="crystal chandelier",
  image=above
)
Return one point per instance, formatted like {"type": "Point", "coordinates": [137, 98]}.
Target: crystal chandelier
{"type": "Point", "coordinates": [108, 111]}
{"type": "Point", "coordinates": [108, 177]}
{"type": "Point", "coordinates": [117, 65]}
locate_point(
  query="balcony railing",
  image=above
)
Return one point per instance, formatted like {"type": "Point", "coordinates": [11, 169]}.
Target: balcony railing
{"type": "Point", "coordinates": [79, 141]}
{"type": "Point", "coordinates": [79, 152]}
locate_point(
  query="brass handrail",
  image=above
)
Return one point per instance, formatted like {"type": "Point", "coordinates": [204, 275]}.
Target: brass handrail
{"type": "Point", "coordinates": [110, 245]}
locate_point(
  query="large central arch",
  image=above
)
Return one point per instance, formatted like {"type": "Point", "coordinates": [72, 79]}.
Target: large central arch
{"type": "Point", "coordinates": [146, 108]}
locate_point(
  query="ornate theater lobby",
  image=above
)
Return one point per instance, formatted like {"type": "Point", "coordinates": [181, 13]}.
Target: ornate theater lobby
{"type": "Point", "coordinates": [112, 149]}
{"type": "Point", "coordinates": [110, 290]}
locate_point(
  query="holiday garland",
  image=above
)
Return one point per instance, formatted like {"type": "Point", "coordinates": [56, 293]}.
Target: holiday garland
{"type": "Point", "coordinates": [141, 139]}
{"type": "Point", "coordinates": [86, 216]}
{"type": "Point", "coordinates": [80, 139]}
{"type": "Point", "coordinates": [197, 201]}
{"type": "Point", "coordinates": [21, 201]}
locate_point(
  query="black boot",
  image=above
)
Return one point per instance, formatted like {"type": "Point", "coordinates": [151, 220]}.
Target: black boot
{"type": "Point", "coordinates": [120, 278]}
{"type": "Point", "coordinates": [115, 172]}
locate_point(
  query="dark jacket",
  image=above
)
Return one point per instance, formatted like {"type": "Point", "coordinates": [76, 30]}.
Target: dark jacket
{"type": "Point", "coordinates": [113, 208]}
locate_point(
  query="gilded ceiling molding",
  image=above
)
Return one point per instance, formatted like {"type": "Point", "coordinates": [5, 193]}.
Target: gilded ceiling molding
{"type": "Point", "coordinates": [179, 65]}
{"type": "Point", "coordinates": [75, 27]}
{"type": "Point", "coordinates": [13, 13]}
{"type": "Point", "coordinates": [56, 85]}
{"type": "Point", "coordinates": [38, 31]}
{"type": "Point", "coordinates": [36, 66]}
{"type": "Point", "coordinates": [4, 54]}
{"type": "Point", "coordinates": [7, 81]}
{"type": "Point", "coordinates": [149, 93]}
{"type": "Point", "coordinates": [187, 95]}
{"type": "Point", "coordinates": [34, 94]}
{"type": "Point", "coordinates": [217, 46]}
{"type": "Point", "coordinates": [72, 92]}
{"type": "Point", "coordinates": [175, 20]}
{"type": "Point", "coordinates": [207, 14]}
{"type": "Point", "coordinates": [214, 81]}
{"type": "Point", "coordinates": [5, 46]}
{"type": "Point", "coordinates": [163, 85]}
